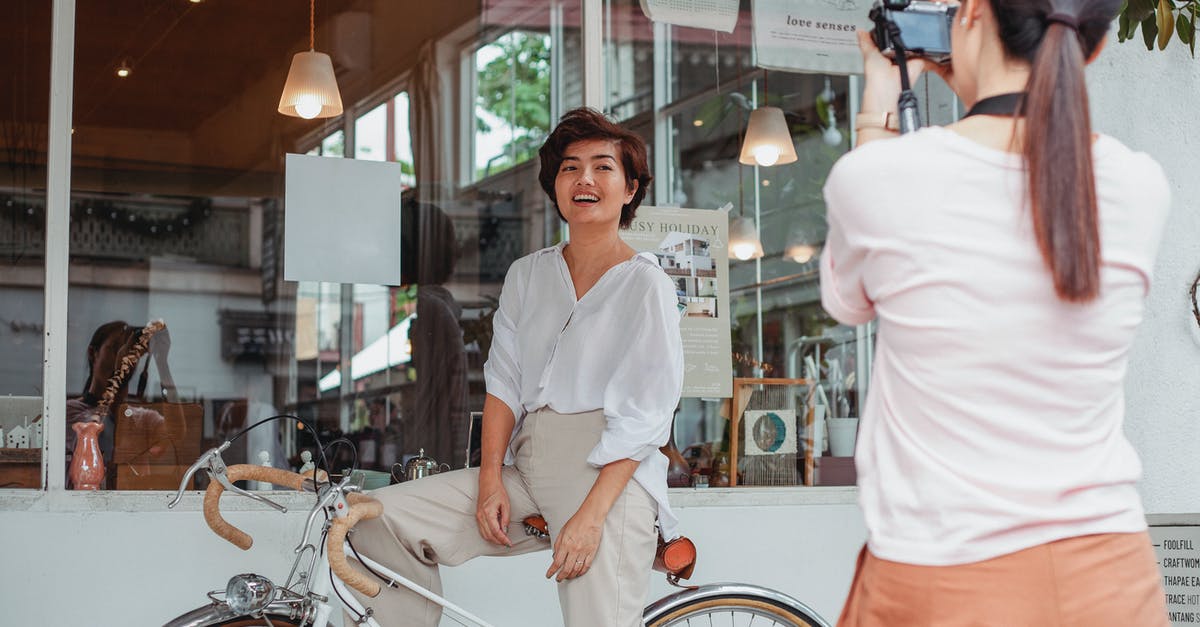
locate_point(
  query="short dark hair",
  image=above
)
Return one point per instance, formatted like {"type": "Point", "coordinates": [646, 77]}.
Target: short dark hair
{"type": "Point", "coordinates": [583, 124]}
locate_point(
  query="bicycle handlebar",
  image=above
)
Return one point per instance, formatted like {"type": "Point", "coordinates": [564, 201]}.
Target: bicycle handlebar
{"type": "Point", "coordinates": [237, 472]}
{"type": "Point", "coordinates": [360, 507]}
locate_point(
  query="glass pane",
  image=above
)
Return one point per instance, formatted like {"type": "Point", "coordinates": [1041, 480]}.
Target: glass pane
{"type": "Point", "coordinates": [512, 109]}
{"type": "Point", "coordinates": [178, 181]}
{"type": "Point", "coordinates": [334, 145]}
{"type": "Point", "coordinates": [24, 110]}
{"type": "Point", "coordinates": [402, 146]}
{"type": "Point", "coordinates": [708, 85]}
{"type": "Point", "coordinates": [370, 135]}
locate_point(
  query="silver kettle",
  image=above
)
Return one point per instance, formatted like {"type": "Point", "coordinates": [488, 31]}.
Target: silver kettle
{"type": "Point", "coordinates": [421, 466]}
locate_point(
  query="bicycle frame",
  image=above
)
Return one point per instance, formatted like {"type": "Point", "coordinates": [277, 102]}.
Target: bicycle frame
{"type": "Point", "coordinates": [304, 596]}
{"type": "Point", "coordinates": [319, 608]}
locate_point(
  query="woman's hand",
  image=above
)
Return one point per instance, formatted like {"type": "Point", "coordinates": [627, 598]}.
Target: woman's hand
{"type": "Point", "coordinates": [492, 509]}
{"type": "Point", "coordinates": [576, 545]}
{"type": "Point", "coordinates": [881, 83]}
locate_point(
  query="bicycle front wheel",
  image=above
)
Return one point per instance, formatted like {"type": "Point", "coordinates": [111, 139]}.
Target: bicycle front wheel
{"type": "Point", "coordinates": [731, 605]}
{"type": "Point", "coordinates": [276, 621]}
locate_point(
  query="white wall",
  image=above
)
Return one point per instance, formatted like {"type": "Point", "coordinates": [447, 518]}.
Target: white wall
{"type": "Point", "coordinates": [142, 568]}
{"type": "Point", "coordinates": [1148, 101]}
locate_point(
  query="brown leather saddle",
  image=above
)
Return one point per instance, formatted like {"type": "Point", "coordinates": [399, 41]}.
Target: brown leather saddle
{"type": "Point", "coordinates": [676, 558]}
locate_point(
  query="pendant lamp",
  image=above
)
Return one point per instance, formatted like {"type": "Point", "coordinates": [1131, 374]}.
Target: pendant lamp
{"type": "Point", "coordinates": [806, 236]}
{"type": "Point", "coordinates": [744, 243]}
{"type": "Point", "coordinates": [768, 141]}
{"type": "Point", "coordinates": [800, 251]}
{"type": "Point", "coordinates": [311, 89]}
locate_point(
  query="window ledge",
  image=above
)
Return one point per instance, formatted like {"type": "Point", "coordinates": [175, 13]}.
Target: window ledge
{"type": "Point", "coordinates": [150, 501]}
{"type": "Point", "coordinates": [762, 496]}
{"type": "Point", "coordinates": [128, 501]}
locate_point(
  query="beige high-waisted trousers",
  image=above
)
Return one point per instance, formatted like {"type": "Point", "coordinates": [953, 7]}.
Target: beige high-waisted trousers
{"type": "Point", "coordinates": [431, 521]}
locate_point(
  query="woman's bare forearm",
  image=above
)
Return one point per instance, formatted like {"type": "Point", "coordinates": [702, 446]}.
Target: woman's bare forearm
{"type": "Point", "coordinates": [498, 422]}
{"type": "Point", "coordinates": [608, 486]}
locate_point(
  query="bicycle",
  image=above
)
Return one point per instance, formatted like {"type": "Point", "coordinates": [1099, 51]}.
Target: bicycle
{"type": "Point", "coordinates": [303, 600]}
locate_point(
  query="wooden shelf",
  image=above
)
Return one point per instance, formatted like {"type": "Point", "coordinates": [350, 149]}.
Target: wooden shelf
{"type": "Point", "coordinates": [21, 468]}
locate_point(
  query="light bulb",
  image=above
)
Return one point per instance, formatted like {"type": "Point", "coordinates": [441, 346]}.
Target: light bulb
{"type": "Point", "coordinates": [307, 106]}
{"type": "Point", "coordinates": [802, 253]}
{"type": "Point", "coordinates": [766, 154]}
{"type": "Point", "coordinates": [743, 251]}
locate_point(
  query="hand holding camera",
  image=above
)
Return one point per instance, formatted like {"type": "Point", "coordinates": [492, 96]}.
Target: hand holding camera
{"type": "Point", "coordinates": [915, 31]}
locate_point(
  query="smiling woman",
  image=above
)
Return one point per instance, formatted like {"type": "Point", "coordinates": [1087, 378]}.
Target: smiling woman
{"type": "Point", "coordinates": [579, 428]}
{"type": "Point", "coordinates": [586, 133]}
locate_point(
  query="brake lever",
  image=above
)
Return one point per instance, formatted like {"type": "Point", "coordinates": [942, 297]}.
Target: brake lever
{"type": "Point", "coordinates": [219, 473]}
{"type": "Point", "coordinates": [205, 461]}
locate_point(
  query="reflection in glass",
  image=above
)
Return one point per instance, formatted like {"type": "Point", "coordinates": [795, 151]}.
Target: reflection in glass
{"type": "Point", "coordinates": [24, 81]}
{"type": "Point", "coordinates": [512, 103]}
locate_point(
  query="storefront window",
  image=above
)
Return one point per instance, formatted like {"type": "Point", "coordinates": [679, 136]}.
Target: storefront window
{"type": "Point", "coordinates": [178, 216]}
{"type": "Point", "coordinates": [178, 222]}
{"type": "Point", "coordinates": [24, 110]}
{"type": "Point", "coordinates": [690, 93]}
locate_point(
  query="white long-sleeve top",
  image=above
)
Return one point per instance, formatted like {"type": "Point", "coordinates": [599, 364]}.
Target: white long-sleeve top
{"type": "Point", "coordinates": [618, 349]}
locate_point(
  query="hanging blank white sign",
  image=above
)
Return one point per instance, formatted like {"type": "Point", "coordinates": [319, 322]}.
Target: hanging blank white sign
{"type": "Point", "coordinates": [341, 220]}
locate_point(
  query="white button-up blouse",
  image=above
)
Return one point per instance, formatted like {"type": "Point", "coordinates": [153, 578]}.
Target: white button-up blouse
{"type": "Point", "coordinates": [618, 349]}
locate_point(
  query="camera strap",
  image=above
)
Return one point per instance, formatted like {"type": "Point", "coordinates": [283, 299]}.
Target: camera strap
{"type": "Point", "coordinates": [1002, 104]}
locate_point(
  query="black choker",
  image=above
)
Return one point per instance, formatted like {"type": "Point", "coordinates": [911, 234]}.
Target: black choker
{"type": "Point", "coordinates": [1003, 104]}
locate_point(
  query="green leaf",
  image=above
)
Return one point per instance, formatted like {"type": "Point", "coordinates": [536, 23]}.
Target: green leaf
{"type": "Point", "coordinates": [1184, 28]}
{"type": "Point", "coordinates": [1166, 23]}
{"type": "Point", "coordinates": [1149, 32]}
{"type": "Point", "coordinates": [1123, 23]}
{"type": "Point", "coordinates": [1192, 28]}
{"type": "Point", "coordinates": [1133, 26]}
{"type": "Point", "coordinates": [1139, 10]}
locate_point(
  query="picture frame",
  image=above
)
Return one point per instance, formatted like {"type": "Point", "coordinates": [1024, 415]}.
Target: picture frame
{"type": "Point", "coordinates": [771, 432]}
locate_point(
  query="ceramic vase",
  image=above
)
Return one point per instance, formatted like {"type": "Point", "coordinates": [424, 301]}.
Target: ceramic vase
{"type": "Point", "coordinates": [87, 463]}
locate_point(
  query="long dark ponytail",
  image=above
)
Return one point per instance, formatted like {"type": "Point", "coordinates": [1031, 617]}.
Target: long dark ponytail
{"type": "Point", "coordinates": [1057, 37]}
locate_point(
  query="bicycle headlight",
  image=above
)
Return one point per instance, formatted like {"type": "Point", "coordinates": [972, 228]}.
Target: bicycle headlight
{"type": "Point", "coordinates": [249, 594]}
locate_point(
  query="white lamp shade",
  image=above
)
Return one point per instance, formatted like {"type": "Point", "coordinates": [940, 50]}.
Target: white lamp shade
{"type": "Point", "coordinates": [744, 243]}
{"type": "Point", "coordinates": [311, 90]}
{"type": "Point", "coordinates": [768, 141]}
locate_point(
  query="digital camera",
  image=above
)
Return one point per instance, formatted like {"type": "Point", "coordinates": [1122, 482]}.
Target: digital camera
{"type": "Point", "coordinates": [924, 27]}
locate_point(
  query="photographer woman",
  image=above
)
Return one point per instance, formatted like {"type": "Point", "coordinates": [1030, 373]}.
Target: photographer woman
{"type": "Point", "coordinates": [583, 376]}
{"type": "Point", "coordinates": [1006, 258]}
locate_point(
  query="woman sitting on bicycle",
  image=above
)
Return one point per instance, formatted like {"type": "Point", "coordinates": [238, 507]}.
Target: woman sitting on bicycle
{"type": "Point", "coordinates": [583, 376]}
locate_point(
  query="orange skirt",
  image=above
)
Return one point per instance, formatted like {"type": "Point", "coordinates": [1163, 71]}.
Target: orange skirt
{"type": "Point", "coordinates": [1095, 580]}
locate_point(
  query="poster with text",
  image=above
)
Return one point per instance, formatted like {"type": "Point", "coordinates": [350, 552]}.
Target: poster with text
{"type": "Point", "coordinates": [691, 246]}
{"type": "Point", "coordinates": [712, 14]}
{"type": "Point", "coordinates": [810, 35]}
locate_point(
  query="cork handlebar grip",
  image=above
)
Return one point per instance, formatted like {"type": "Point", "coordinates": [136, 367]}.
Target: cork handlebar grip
{"type": "Point", "coordinates": [237, 472]}
{"type": "Point", "coordinates": [361, 508]}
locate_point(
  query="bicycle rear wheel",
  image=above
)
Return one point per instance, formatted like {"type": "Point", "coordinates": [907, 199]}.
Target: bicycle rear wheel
{"type": "Point", "coordinates": [731, 605]}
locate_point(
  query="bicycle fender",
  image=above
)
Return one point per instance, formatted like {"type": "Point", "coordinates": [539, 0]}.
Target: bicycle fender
{"type": "Point", "coordinates": [204, 616]}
